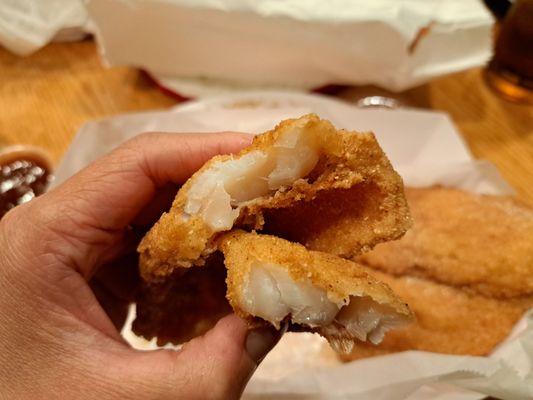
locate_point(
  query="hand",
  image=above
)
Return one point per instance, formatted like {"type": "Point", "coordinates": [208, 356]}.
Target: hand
{"type": "Point", "coordinates": [56, 340]}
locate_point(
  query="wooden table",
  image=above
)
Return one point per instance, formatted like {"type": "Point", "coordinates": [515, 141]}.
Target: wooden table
{"type": "Point", "coordinates": [46, 97]}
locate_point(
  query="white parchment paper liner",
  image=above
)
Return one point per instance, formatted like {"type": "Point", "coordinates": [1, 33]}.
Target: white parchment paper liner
{"type": "Point", "coordinates": [426, 149]}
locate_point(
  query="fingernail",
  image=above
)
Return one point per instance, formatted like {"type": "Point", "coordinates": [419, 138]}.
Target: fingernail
{"type": "Point", "coordinates": [260, 341]}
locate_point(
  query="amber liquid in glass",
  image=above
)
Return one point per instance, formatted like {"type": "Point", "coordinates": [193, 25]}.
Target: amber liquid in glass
{"type": "Point", "coordinates": [510, 72]}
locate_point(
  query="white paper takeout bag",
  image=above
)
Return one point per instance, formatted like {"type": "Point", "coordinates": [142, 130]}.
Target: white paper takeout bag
{"type": "Point", "coordinates": [28, 25]}
{"type": "Point", "coordinates": [198, 47]}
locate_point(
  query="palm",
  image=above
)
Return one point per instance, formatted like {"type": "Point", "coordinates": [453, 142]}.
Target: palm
{"type": "Point", "coordinates": [68, 270]}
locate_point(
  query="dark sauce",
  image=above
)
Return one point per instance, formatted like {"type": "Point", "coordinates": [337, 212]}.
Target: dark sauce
{"type": "Point", "coordinates": [20, 181]}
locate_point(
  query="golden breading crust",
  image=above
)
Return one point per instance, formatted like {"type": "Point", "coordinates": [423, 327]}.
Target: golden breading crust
{"type": "Point", "coordinates": [448, 320]}
{"type": "Point", "coordinates": [343, 222]}
{"type": "Point", "coordinates": [340, 278]}
{"type": "Point", "coordinates": [351, 165]}
{"type": "Point", "coordinates": [480, 243]}
{"type": "Point", "coordinates": [190, 301]}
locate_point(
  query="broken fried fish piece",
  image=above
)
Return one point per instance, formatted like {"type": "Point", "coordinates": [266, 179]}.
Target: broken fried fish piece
{"type": "Point", "coordinates": [272, 280]}
{"type": "Point", "coordinates": [302, 162]}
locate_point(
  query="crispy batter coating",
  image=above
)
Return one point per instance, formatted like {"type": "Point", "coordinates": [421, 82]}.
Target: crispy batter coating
{"type": "Point", "coordinates": [448, 320]}
{"type": "Point", "coordinates": [341, 279]}
{"type": "Point", "coordinates": [343, 222]}
{"type": "Point", "coordinates": [480, 243]}
{"type": "Point", "coordinates": [187, 304]}
{"type": "Point", "coordinates": [351, 172]}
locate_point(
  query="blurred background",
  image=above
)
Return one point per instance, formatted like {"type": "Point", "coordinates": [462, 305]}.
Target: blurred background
{"type": "Point", "coordinates": [446, 85]}
{"type": "Point", "coordinates": [66, 62]}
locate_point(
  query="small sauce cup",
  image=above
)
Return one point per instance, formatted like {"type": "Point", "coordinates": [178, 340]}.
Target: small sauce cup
{"type": "Point", "coordinates": [25, 173]}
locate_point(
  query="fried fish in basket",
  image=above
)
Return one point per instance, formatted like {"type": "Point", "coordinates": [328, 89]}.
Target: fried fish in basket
{"type": "Point", "coordinates": [447, 319]}
{"type": "Point", "coordinates": [273, 281]}
{"type": "Point", "coordinates": [479, 243]}
{"type": "Point", "coordinates": [303, 165]}
{"type": "Point", "coordinates": [466, 269]}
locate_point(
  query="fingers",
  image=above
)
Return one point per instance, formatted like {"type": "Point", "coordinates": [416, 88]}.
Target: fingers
{"type": "Point", "coordinates": [114, 189]}
{"type": "Point", "coordinates": [84, 220]}
{"type": "Point", "coordinates": [217, 365]}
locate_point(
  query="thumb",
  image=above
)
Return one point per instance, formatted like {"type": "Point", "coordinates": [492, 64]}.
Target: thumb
{"type": "Point", "coordinates": [217, 365]}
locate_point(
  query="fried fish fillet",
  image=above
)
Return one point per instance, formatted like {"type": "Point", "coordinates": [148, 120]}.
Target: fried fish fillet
{"type": "Point", "coordinates": [272, 280]}
{"type": "Point", "coordinates": [480, 243]}
{"type": "Point", "coordinates": [303, 163]}
{"type": "Point", "coordinates": [448, 320]}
